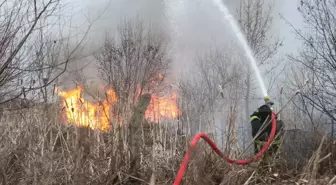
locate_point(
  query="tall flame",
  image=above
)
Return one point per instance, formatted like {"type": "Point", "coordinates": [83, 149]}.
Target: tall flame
{"type": "Point", "coordinates": [162, 107]}
{"type": "Point", "coordinates": [81, 112]}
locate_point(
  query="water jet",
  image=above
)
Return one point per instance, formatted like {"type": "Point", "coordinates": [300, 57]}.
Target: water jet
{"type": "Point", "coordinates": [241, 38]}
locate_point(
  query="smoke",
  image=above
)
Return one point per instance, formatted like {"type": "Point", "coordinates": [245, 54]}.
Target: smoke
{"type": "Point", "coordinates": [193, 26]}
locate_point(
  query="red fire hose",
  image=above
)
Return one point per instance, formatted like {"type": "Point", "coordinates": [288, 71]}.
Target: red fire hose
{"type": "Point", "coordinates": [200, 135]}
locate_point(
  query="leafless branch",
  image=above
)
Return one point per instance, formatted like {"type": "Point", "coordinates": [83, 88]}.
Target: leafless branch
{"type": "Point", "coordinates": [133, 62]}
{"type": "Point", "coordinates": [317, 57]}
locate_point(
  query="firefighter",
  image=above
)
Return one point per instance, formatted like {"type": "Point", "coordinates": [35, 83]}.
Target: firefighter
{"type": "Point", "coordinates": [262, 115]}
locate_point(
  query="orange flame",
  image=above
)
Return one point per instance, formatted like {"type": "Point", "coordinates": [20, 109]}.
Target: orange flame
{"type": "Point", "coordinates": [80, 112]}
{"type": "Point", "coordinates": [162, 107]}
{"type": "Point", "coordinates": [83, 113]}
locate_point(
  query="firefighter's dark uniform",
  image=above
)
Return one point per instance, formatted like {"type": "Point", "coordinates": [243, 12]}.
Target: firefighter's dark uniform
{"type": "Point", "coordinates": [258, 118]}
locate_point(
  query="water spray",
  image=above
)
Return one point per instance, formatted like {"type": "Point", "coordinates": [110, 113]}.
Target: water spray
{"type": "Point", "coordinates": [241, 38]}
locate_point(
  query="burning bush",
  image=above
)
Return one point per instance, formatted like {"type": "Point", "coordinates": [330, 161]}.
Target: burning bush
{"type": "Point", "coordinates": [82, 112]}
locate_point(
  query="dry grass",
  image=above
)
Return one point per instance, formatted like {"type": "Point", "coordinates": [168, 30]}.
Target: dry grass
{"type": "Point", "coordinates": [37, 149]}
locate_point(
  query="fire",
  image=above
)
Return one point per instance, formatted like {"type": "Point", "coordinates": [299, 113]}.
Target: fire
{"type": "Point", "coordinates": [83, 113]}
{"type": "Point", "coordinates": [80, 112]}
{"type": "Point", "coordinates": [162, 107]}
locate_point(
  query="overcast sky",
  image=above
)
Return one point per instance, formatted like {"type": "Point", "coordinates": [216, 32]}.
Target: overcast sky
{"type": "Point", "coordinates": [194, 24]}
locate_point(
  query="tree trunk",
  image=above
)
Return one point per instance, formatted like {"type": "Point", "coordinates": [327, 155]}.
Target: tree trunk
{"type": "Point", "coordinates": [135, 131]}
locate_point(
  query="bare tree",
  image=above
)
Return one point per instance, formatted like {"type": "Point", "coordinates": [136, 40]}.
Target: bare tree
{"type": "Point", "coordinates": [300, 111]}
{"type": "Point", "coordinates": [202, 99]}
{"type": "Point", "coordinates": [133, 62]}
{"type": "Point", "coordinates": [30, 60]}
{"type": "Point", "coordinates": [15, 34]}
{"type": "Point", "coordinates": [46, 58]}
{"type": "Point", "coordinates": [317, 57]}
{"type": "Point", "coordinates": [255, 20]}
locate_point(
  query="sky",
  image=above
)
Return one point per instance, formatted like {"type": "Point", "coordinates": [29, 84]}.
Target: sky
{"type": "Point", "coordinates": [193, 25]}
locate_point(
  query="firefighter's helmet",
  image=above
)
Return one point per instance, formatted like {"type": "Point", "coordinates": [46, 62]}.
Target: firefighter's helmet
{"type": "Point", "coordinates": [267, 100]}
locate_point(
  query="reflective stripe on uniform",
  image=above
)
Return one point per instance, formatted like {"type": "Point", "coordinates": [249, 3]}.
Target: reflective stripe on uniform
{"type": "Point", "coordinates": [253, 118]}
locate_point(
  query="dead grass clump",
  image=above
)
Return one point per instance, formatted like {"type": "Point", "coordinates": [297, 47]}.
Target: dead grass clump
{"type": "Point", "coordinates": [206, 167]}
{"type": "Point", "coordinates": [318, 170]}
{"type": "Point", "coordinates": [328, 158]}
{"type": "Point", "coordinates": [39, 149]}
